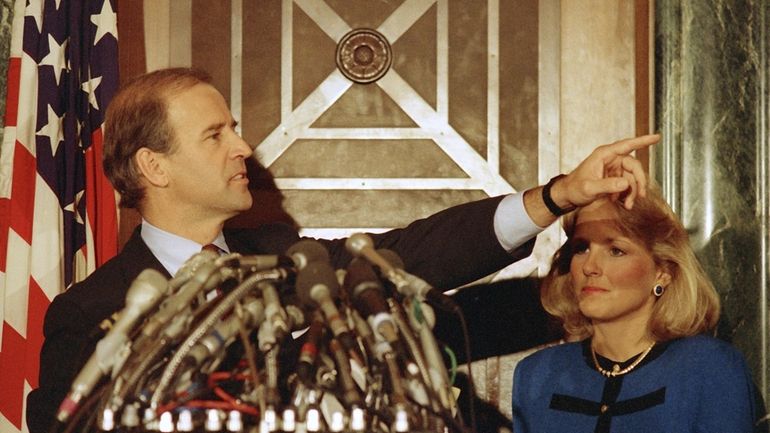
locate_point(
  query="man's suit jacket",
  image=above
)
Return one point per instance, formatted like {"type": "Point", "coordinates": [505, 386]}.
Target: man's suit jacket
{"type": "Point", "coordinates": [449, 249]}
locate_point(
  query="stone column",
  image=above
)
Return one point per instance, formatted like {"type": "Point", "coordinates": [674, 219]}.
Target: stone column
{"type": "Point", "coordinates": [6, 19]}
{"type": "Point", "coordinates": [711, 106]}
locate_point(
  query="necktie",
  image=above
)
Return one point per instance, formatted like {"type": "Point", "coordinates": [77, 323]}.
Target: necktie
{"type": "Point", "coordinates": [218, 251]}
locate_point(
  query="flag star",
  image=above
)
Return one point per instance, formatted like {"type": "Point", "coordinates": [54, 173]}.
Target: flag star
{"type": "Point", "coordinates": [52, 130]}
{"type": "Point", "coordinates": [106, 22]}
{"type": "Point", "coordinates": [56, 57]}
{"type": "Point", "coordinates": [90, 88]}
{"type": "Point", "coordinates": [35, 10]}
{"type": "Point", "coordinates": [76, 207]}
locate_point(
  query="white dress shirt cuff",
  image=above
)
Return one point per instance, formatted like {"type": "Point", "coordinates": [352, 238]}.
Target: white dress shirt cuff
{"type": "Point", "coordinates": [513, 226]}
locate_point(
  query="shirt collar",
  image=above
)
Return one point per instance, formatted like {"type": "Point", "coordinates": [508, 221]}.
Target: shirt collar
{"type": "Point", "coordinates": [171, 250]}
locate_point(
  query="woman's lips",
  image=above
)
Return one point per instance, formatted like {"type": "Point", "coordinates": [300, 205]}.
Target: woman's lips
{"type": "Point", "coordinates": [591, 289]}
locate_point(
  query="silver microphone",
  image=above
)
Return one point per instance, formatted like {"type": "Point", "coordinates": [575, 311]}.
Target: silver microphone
{"type": "Point", "coordinates": [143, 295]}
{"type": "Point", "coordinates": [361, 245]}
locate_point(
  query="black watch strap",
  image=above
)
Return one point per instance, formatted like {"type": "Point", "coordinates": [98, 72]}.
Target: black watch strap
{"type": "Point", "coordinates": [549, 203]}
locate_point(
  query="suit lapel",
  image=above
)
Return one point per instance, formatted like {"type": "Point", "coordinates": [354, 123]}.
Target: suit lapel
{"type": "Point", "coordinates": [136, 257]}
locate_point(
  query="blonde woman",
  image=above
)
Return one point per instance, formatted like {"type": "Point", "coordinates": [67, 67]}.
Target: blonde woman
{"type": "Point", "coordinates": [628, 285]}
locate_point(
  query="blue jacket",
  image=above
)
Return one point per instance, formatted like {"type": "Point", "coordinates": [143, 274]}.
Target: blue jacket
{"type": "Point", "coordinates": [695, 384]}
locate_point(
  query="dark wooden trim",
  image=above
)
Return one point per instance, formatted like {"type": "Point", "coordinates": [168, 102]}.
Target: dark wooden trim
{"type": "Point", "coordinates": [131, 62]}
{"type": "Point", "coordinates": [642, 63]}
{"type": "Point", "coordinates": [131, 38]}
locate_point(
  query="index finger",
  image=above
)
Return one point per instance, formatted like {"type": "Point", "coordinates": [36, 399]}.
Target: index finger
{"type": "Point", "coordinates": [625, 147]}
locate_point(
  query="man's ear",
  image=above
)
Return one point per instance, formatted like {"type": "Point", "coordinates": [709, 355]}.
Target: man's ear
{"type": "Point", "coordinates": [151, 166]}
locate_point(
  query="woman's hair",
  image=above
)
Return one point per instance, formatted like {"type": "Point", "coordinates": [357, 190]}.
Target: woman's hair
{"type": "Point", "coordinates": [136, 118]}
{"type": "Point", "coordinates": [689, 306]}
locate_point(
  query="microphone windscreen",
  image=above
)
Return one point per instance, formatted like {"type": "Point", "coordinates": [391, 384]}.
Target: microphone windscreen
{"type": "Point", "coordinates": [146, 290]}
{"type": "Point", "coordinates": [358, 242]}
{"type": "Point", "coordinates": [312, 275]}
{"type": "Point", "coordinates": [359, 276]}
{"type": "Point", "coordinates": [365, 288]}
{"type": "Point", "coordinates": [307, 251]}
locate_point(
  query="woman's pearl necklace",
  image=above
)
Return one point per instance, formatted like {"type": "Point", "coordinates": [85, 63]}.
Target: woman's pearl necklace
{"type": "Point", "coordinates": [616, 371]}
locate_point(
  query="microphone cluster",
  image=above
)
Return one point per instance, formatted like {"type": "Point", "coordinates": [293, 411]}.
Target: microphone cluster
{"type": "Point", "coordinates": [238, 343]}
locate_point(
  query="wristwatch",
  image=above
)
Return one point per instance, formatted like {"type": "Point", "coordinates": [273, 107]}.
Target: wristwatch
{"type": "Point", "coordinates": [549, 203]}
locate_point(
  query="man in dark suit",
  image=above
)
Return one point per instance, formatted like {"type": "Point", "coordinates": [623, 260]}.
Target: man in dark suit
{"type": "Point", "coordinates": [172, 152]}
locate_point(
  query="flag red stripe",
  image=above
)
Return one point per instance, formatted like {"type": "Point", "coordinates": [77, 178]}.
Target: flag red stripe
{"type": "Point", "coordinates": [22, 206]}
{"type": "Point", "coordinates": [11, 359]}
{"type": "Point", "coordinates": [37, 305]}
{"type": "Point", "coordinates": [5, 207]}
{"type": "Point", "coordinates": [20, 356]}
{"type": "Point", "coordinates": [12, 97]}
{"type": "Point", "coordinates": [100, 203]}
{"type": "Point", "coordinates": [5, 221]}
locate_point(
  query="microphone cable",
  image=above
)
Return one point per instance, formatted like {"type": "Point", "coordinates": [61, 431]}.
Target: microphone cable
{"type": "Point", "coordinates": [469, 360]}
{"type": "Point", "coordinates": [451, 307]}
{"type": "Point", "coordinates": [457, 311]}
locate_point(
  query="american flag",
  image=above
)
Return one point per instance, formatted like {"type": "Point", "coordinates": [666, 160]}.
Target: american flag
{"type": "Point", "coordinates": [58, 215]}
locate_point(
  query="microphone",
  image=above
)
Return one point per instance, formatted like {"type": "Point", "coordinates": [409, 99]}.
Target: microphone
{"type": "Point", "coordinates": [143, 295]}
{"type": "Point", "coordinates": [364, 288]}
{"type": "Point", "coordinates": [361, 245]}
{"type": "Point", "coordinates": [173, 310]}
{"type": "Point", "coordinates": [309, 351]}
{"type": "Point", "coordinates": [307, 251]}
{"type": "Point", "coordinates": [255, 263]}
{"type": "Point", "coordinates": [317, 286]}
{"type": "Point", "coordinates": [344, 375]}
{"type": "Point", "coordinates": [189, 268]}
{"type": "Point", "coordinates": [275, 314]}
{"type": "Point", "coordinates": [435, 364]}
{"type": "Point", "coordinates": [367, 294]}
{"type": "Point", "coordinates": [225, 332]}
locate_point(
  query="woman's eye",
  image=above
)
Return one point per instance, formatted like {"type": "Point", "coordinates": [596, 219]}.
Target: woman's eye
{"type": "Point", "coordinates": [615, 251]}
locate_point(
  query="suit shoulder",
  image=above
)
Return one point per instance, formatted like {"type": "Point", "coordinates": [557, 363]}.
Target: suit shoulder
{"type": "Point", "coordinates": [703, 344]}
{"type": "Point", "coordinates": [101, 277]}
{"type": "Point", "coordinates": [551, 357]}
{"type": "Point", "coordinates": [709, 356]}
{"type": "Point", "coordinates": [95, 298]}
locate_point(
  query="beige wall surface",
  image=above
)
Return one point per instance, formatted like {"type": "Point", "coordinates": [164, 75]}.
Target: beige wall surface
{"type": "Point", "coordinates": [597, 75]}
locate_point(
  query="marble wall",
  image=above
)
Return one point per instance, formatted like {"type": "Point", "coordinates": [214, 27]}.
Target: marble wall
{"type": "Point", "coordinates": [6, 17]}
{"type": "Point", "coordinates": [711, 103]}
